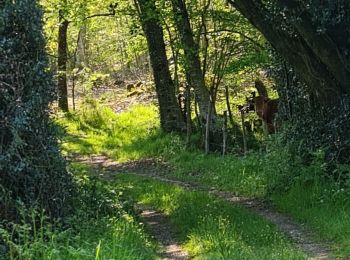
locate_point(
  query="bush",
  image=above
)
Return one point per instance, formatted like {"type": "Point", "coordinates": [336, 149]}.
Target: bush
{"type": "Point", "coordinates": [31, 168]}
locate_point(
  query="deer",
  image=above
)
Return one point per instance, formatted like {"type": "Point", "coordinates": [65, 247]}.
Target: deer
{"type": "Point", "coordinates": [265, 107]}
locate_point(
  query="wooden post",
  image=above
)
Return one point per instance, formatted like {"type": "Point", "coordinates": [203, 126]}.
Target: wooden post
{"type": "Point", "coordinates": [244, 133]}
{"type": "Point", "coordinates": [207, 129]}
{"type": "Point", "coordinates": [196, 112]}
{"type": "Point", "coordinates": [73, 91]}
{"type": "Point", "coordinates": [188, 115]}
{"type": "Point", "coordinates": [229, 106]}
{"type": "Point", "coordinates": [224, 134]}
{"type": "Point", "coordinates": [265, 128]}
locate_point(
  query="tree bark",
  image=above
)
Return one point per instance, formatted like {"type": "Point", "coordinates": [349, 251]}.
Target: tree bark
{"type": "Point", "coordinates": [307, 52]}
{"type": "Point", "coordinates": [321, 43]}
{"type": "Point", "coordinates": [80, 54]}
{"type": "Point", "coordinates": [62, 65]}
{"type": "Point", "coordinates": [170, 115]}
{"type": "Point", "coordinates": [193, 69]}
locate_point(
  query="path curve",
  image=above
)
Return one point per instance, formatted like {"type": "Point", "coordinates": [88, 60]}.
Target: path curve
{"type": "Point", "coordinates": [301, 236]}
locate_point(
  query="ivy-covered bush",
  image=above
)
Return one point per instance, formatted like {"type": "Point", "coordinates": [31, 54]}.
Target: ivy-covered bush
{"type": "Point", "coordinates": [307, 125]}
{"type": "Point", "coordinates": [31, 169]}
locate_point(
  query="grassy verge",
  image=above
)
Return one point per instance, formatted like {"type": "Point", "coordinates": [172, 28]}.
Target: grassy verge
{"type": "Point", "coordinates": [208, 227]}
{"type": "Point", "coordinates": [102, 227]}
{"type": "Point", "coordinates": [296, 189]}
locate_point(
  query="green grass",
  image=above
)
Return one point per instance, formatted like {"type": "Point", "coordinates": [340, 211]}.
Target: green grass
{"type": "Point", "coordinates": [96, 129]}
{"type": "Point", "coordinates": [294, 188]}
{"type": "Point", "coordinates": [210, 228]}
{"type": "Point", "coordinates": [324, 207]}
{"type": "Point", "coordinates": [103, 227]}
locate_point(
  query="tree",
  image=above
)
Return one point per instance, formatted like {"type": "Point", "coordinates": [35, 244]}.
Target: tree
{"type": "Point", "coordinates": [31, 169]}
{"type": "Point", "coordinates": [311, 36]}
{"type": "Point", "coordinates": [313, 40]}
{"type": "Point", "coordinates": [194, 73]}
{"type": "Point", "coordinates": [69, 12]}
{"type": "Point", "coordinates": [62, 58]}
{"type": "Point", "coordinates": [170, 115]}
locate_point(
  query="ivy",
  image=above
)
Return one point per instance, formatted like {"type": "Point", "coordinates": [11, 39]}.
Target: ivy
{"type": "Point", "coordinates": [31, 169]}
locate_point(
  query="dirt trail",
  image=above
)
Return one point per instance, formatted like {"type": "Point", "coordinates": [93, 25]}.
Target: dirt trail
{"type": "Point", "coordinates": [161, 228]}
{"type": "Point", "coordinates": [156, 169]}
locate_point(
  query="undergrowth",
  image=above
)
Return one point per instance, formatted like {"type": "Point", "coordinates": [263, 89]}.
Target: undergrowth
{"type": "Point", "coordinates": [302, 191]}
{"type": "Point", "coordinates": [96, 129]}
{"type": "Point", "coordinates": [104, 226]}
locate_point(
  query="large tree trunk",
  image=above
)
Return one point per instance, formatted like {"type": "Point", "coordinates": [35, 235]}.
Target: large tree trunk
{"type": "Point", "coordinates": [62, 65]}
{"type": "Point", "coordinates": [316, 56]}
{"type": "Point", "coordinates": [193, 69]}
{"type": "Point", "coordinates": [170, 115]}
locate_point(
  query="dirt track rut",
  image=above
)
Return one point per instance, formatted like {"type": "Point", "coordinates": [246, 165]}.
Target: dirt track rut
{"type": "Point", "coordinates": [301, 236]}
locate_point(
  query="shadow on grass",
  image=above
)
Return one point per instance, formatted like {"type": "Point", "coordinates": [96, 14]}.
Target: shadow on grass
{"type": "Point", "coordinates": [210, 228]}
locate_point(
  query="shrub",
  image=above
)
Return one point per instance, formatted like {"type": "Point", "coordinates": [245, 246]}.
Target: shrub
{"type": "Point", "coordinates": [31, 168]}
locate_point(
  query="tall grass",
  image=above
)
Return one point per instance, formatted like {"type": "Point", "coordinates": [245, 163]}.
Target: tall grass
{"type": "Point", "coordinates": [131, 135]}
{"type": "Point", "coordinates": [103, 227]}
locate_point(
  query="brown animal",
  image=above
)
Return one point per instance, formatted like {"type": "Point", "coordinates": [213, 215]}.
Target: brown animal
{"type": "Point", "coordinates": [265, 107]}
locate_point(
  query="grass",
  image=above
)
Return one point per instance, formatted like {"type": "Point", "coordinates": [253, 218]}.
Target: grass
{"type": "Point", "coordinates": [324, 207]}
{"type": "Point", "coordinates": [208, 227]}
{"type": "Point", "coordinates": [102, 227]}
{"type": "Point", "coordinates": [294, 188]}
{"type": "Point", "coordinates": [96, 129]}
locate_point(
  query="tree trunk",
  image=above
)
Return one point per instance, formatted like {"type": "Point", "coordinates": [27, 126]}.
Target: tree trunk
{"type": "Point", "coordinates": [315, 56]}
{"type": "Point", "coordinates": [170, 115]}
{"type": "Point", "coordinates": [81, 47]}
{"type": "Point", "coordinates": [62, 65]}
{"type": "Point", "coordinates": [193, 69]}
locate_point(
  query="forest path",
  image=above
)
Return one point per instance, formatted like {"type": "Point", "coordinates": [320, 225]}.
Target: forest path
{"type": "Point", "coordinates": [302, 237]}
{"type": "Point", "coordinates": [162, 230]}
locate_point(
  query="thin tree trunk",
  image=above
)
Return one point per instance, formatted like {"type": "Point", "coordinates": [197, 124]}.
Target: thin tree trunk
{"type": "Point", "coordinates": [62, 65]}
{"type": "Point", "coordinates": [80, 55]}
{"type": "Point", "coordinates": [228, 105]}
{"type": "Point", "coordinates": [73, 91]}
{"type": "Point", "coordinates": [175, 54]}
{"type": "Point", "coordinates": [224, 134]}
{"type": "Point", "coordinates": [200, 123]}
{"type": "Point", "coordinates": [193, 69]}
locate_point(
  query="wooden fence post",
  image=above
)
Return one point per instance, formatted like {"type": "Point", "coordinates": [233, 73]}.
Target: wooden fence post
{"type": "Point", "coordinates": [188, 115]}
{"type": "Point", "coordinates": [224, 134]}
{"type": "Point", "coordinates": [207, 128]}
{"type": "Point", "coordinates": [244, 133]}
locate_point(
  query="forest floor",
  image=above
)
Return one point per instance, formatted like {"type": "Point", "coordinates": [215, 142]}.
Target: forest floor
{"type": "Point", "coordinates": [162, 229]}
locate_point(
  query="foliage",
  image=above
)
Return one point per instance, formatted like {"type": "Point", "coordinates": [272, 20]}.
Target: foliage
{"type": "Point", "coordinates": [104, 226]}
{"type": "Point", "coordinates": [31, 168]}
{"type": "Point", "coordinates": [307, 126]}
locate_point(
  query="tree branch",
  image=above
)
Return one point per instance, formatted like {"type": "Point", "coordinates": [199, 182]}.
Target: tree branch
{"type": "Point", "coordinates": [241, 34]}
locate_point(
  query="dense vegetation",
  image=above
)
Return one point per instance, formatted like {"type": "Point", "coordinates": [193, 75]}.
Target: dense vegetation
{"type": "Point", "coordinates": [173, 82]}
{"type": "Point", "coordinates": [32, 170]}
